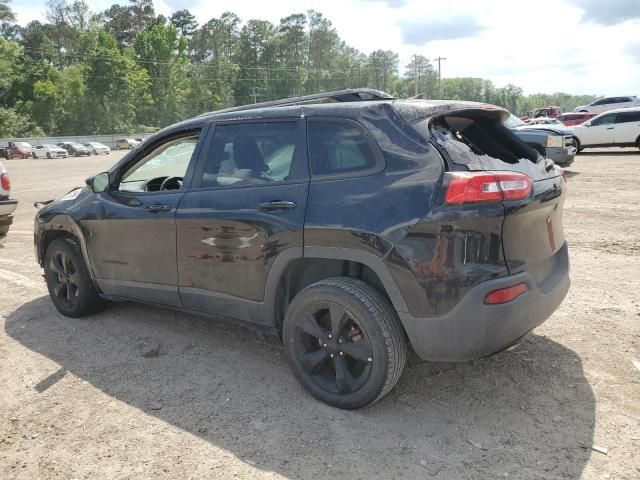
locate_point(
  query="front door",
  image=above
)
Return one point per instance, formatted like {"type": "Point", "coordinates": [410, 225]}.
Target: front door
{"type": "Point", "coordinates": [601, 131]}
{"type": "Point", "coordinates": [131, 231]}
{"type": "Point", "coordinates": [247, 206]}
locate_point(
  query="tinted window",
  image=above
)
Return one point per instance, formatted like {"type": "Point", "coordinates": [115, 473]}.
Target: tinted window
{"type": "Point", "coordinates": [338, 147]}
{"type": "Point", "coordinates": [254, 153]}
{"type": "Point", "coordinates": [625, 117]}
{"type": "Point", "coordinates": [604, 120]}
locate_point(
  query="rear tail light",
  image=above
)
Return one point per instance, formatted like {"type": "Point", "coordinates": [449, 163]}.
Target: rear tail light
{"type": "Point", "coordinates": [6, 183]}
{"type": "Point", "coordinates": [505, 295]}
{"type": "Point", "coordinates": [471, 187]}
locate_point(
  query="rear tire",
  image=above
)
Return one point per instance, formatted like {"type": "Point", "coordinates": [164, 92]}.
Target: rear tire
{"type": "Point", "coordinates": [68, 280]}
{"type": "Point", "coordinates": [49, 155]}
{"type": "Point", "coordinates": [344, 342]}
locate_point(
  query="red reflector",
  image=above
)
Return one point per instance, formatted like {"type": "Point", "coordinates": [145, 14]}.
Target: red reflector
{"type": "Point", "coordinates": [6, 184]}
{"type": "Point", "coordinates": [505, 295]}
{"type": "Point", "coordinates": [471, 187]}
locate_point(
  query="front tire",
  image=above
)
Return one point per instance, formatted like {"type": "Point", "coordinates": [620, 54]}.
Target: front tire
{"type": "Point", "coordinates": [344, 342]}
{"type": "Point", "coordinates": [68, 280]}
{"type": "Point", "coordinates": [49, 155]}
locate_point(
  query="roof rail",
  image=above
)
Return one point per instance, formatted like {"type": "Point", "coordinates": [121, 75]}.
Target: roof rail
{"type": "Point", "coordinates": [349, 95]}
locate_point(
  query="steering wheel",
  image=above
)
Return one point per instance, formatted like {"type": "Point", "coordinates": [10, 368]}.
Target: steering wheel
{"type": "Point", "coordinates": [171, 183]}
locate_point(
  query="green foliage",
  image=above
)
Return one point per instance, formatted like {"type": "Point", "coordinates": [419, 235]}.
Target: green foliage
{"type": "Point", "coordinates": [128, 69]}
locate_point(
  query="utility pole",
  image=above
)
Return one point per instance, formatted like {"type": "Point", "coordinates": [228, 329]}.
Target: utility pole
{"type": "Point", "coordinates": [439, 59]}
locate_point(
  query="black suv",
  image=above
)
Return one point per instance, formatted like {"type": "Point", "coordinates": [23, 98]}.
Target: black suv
{"type": "Point", "coordinates": [75, 148]}
{"type": "Point", "coordinates": [349, 223]}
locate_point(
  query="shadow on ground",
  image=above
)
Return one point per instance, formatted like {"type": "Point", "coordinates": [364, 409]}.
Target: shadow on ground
{"type": "Point", "coordinates": [524, 413]}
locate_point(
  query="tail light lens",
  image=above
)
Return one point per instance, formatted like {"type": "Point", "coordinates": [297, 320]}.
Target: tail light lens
{"type": "Point", "coordinates": [6, 183]}
{"type": "Point", "coordinates": [472, 187]}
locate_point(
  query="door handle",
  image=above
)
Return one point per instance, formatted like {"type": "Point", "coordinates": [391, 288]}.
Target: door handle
{"type": "Point", "coordinates": [610, 128]}
{"type": "Point", "coordinates": [277, 205]}
{"type": "Point", "coordinates": [156, 207]}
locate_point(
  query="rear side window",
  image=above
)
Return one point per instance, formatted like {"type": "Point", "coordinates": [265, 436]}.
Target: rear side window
{"type": "Point", "coordinates": [339, 147]}
{"type": "Point", "coordinates": [624, 117]}
{"type": "Point", "coordinates": [254, 154]}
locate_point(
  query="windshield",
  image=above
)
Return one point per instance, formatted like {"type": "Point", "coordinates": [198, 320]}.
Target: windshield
{"type": "Point", "coordinates": [513, 121]}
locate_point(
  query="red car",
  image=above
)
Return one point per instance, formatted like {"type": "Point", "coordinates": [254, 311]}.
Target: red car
{"type": "Point", "coordinates": [576, 118]}
{"type": "Point", "coordinates": [19, 150]}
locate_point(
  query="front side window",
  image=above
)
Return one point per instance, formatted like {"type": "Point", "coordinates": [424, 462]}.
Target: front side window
{"type": "Point", "coordinates": [163, 168]}
{"type": "Point", "coordinates": [604, 120]}
{"type": "Point", "coordinates": [254, 154]}
{"type": "Point", "coordinates": [337, 147]}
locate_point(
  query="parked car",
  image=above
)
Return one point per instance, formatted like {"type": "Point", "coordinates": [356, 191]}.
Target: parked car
{"type": "Point", "coordinates": [427, 222]}
{"type": "Point", "coordinates": [616, 128]}
{"type": "Point", "coordinates": [7, 205]}
{"type": "Point", "coordinates": [126, 143]}
{"type": "Point", "coordinates": [548, 112]}
{"type": "Point", "coordinates": [543, 121]}
{"type": "Point", "coordinates": [98, 148]}
{"type": "Point", "coordinates": [49, 151]}
{"type": "Point", "coordinates": [19, 150]}
{"type": "Point", "coordinates": [575, 118]}
{"type": "Point", "coordinates": [609, 103]}
{"type": "Point", "coordinates": [74, 148]}
{"type": "Point", "coordinates": [551, 141]}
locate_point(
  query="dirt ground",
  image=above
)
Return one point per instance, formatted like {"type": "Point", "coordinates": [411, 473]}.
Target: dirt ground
{"type": "Point", "coordinates": [140, 392]}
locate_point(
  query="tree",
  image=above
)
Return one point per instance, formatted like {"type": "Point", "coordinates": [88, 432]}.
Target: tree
{"type": "Point", "coordinates": [184, 22]}
{"type": "Point", "coordinates": [256, 56]}
{"type": "Point", "coordinates": [6, 14]}
{"type": "Point", "coordinates": [383, 68]}
{"type": "Point", "coordinates": [116, 87]}
{"type": "Point", "coordinates": [125, 22]}
{"type": "Point", "coordinates": [163, 53]}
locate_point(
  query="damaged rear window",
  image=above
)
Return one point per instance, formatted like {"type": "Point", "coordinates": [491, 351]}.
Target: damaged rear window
{"type": "Point", "coordinates": [477, 139]}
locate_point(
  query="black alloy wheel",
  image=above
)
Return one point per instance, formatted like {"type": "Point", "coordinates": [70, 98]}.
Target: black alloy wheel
{"type": "Point", "coordinates": [68, 280]}
{"type": "Point", "coordinates": [67, 283]}
{"type": "Point", "coordinates": [344, 342]}
{"type": "Point", "coordinates": [333, 349]}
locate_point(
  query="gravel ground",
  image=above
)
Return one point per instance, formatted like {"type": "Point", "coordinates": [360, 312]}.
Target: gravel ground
{"type": "Point", "coordinates": [141, 392]}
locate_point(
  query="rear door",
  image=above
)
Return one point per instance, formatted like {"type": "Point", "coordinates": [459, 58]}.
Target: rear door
{"type": "Point", "coordinates": [627, 127]}
{"type": "Point", "coordinates": [248, 206]}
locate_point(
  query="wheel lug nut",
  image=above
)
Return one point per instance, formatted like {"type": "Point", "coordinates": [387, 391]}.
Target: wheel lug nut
{"type": "Point", "coordinates": [341, 354]}
{"type": "Point", "coordinates": [340, 340]}
{"type": "Point", "coordinates": [330, 336]}
{"type": "Point", "coordinates": [369, 359]}
{"type": "Point", "coordinates": [331, 355]}
{"type": "Point", "coordinates": [324, 345]}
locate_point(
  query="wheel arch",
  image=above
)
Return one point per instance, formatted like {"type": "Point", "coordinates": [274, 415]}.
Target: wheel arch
{"type": "Point", "coordinates": [296, 268]}
{"type": "Point", "coordinates": [58, 227]}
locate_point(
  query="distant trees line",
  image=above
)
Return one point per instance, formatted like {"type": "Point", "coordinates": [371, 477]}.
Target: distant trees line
{"type": "Point", "coordinates": [128, 69]}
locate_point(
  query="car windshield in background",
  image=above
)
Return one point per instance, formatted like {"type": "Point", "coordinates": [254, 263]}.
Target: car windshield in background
{"type": "Point", "coordinates": [513, 121]}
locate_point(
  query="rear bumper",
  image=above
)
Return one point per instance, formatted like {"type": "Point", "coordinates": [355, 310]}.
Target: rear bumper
{"type": "Point", "coordinates": [473, 330]}
{"type": "Point", "coordinates": [7, 207]}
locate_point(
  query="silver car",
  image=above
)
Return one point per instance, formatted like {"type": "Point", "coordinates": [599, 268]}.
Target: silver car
{"type": "Point", "coordinates": [98, 148]}
{"type": "Point", "coordinates": [609, 103]}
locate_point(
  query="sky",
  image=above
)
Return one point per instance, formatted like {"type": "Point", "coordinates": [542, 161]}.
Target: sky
{"type": "Point", "coordinates": [573, 46]}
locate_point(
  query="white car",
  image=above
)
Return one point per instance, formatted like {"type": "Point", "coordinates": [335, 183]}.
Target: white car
{"type": "Point", "coordinates": [7, 206]}
{"type": "Point", "coordinates": [610, 103]}
{"type": "Point", "coordinates": [48, 151]}
{"type": "Point", "coordinates": [616, 128]}
{"type": "Point", "coordinates": [98, 148]}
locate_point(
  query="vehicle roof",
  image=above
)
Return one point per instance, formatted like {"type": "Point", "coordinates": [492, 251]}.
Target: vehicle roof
{"type": "Point", "coordinates": [618, 110]}
{"type": "Point", "coordinates": [411, 109]}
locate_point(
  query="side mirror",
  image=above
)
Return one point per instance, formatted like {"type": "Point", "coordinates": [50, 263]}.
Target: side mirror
{"type": "Point", "coordinates": [587, 124]}
{"type": "Point", "coordinates": [99, 183]}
